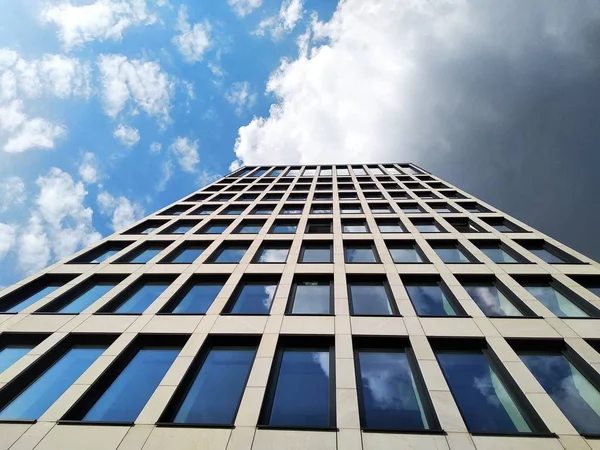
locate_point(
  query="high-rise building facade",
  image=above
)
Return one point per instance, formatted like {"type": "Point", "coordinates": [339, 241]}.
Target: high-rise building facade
{"type": "Point", "coordinates": [354, 307]}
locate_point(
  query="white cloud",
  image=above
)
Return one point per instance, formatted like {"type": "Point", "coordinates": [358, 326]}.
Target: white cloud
{"type": "Point", "coordinates": [192, 41]}
{"type": "Point", "coordinates": [12, 193]}
{"type": "Point", "coordinates": [289, 14]}
{"type": "Point", "coordinates": [244, 7]}
{"type": "Point", "coordinates": [100, 20]}
{"type": "Point", "coordinates": [128, 136]}
{"type": "Point", "coordinates": [8, 237]}
{"type": "Point", "coordinates": [240, 96]}
{"type": "Point", "coordinates": [88, 169]}
{"type": "Point", "coordinates": [122, 211]}
{"type": "Point", "coordinates": [141, 81]}
{"type": "Point", "coordinates": [166, 174]}
{"type": "Point", "coordinates": [155, 147]}
{"type": "Point", "coordinates": [206, 177]}
{"type": "Point", "coordinates": [186, 152]}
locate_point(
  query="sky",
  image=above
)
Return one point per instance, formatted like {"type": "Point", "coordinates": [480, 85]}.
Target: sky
{"type": "Point", "coordinates": [112, 109]}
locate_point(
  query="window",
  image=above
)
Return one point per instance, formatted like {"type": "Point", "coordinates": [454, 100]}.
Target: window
{"type": "Point", "coordinates": [176, 210]}
{"type": "Point", "coordinates": [180, 227]}
{"type": "Point", "coordinates": [101, 253]}
{"type": "Point", "coordinates": [298, 370]}
{"type": "Point", "coordinates": [488, 400]}
{"type": "Point", "coordinates": [354, 226]}
{"type": "Point", "coordinates": [590, 282]}
{"type": "Point", "coordinates": [297, 197]}
{"type": "Point", "coordinates": [412, 185]}
{"type": "Point", "coordinates": [309, 172]}
{"type": "Point", "coordinates": [323, 196]}
{"type": "Point", "coordinates": [348, 196]}
{"type": "Point", "coordinates": [14, 346]}
{"type": "Point", "coordinates": [426, 194]}
{"type": "Point", "coordinates": [292, 173]}
{"type": "Point", "coordinates": [259, 173]}
{"type": "Point", "coordinates": [272, 197]}
{"type": "Point", "coordinates": [253, 297]}
{"type": "Point", "coordinates": [215, 227]}
{"type": "Point", "coordinates": [451, 252]}
{"type": "Point", "coordinates": [275, 173]}
{"type": "Point", "coordinates": [284, 227]}
{"type": "Point", "coordinates": [350, 208]}
{"type": "Point", "coordinates": [499, 253]}
{"type": "Point", "coordinates": [272, 252]}
{"type": "Point", "coordinates": [390, 226]}
{"type": "Point", "coordinates": [410, 208]}
{"type": "Point", "coordinates": [147, 227]}
{"type": "Point", "coordinates": [391, 392]}
{"type": "Point", "coordinates": [347, 187]}
{"type": "Point", "coordinates": [143, 253]}
{"type": "Point", "coordinates": [360, 253]}
{"type": "Point", "coordinates": [230, 253]}
{"type": "Point", "coordinates": [205, 210]}
{"type": "Point", "coordinates": [311, 296]}
{"type": "Point", "coordinates": [427, 226]}
{"type": "Point", "coordinates": [370, 298]}
{"type": "Point", "coordinates": [235, 210]}
{"type": "Point", "coordinates": [464, 225]}
{"type": "Point", "coordinates": [211, 391]}
{"type": "Point", "coordinates": [473, 207]}
{"type": "Point", "coordinates": [441, 208]}
{"type": "Point", "coordinates": [502, 225]}
{"type": "Point", "coordinates": [196, 296]}
{"type": "Point", "coordinates": [76, 299]}
{"type": "Point", "coordinates": [197, 198]}
{"type": "Point", "coordinates": [375, 170]}
{"type": "Point", "coordinates": [568, 380]}
{"type": "Point", "coordinates": [380, 208]}
{"type": "Point", "coordinates": [247, 197]}
{"type": "Point", "coordinates": [406, 252]}
{"type": "Point", "coordinates": [432, 298]}
{"type": "Point", "coordinates": [325, 172]}
{"type": "Point", "coordinates": [33, 391]}
{"type": "Point", "coordinates": [495, 300]}
{"type": "Point", "coordinates": [321, 209]}
{"type": "Point", "coordinates": [262, 210]}
{"type": "Point", "coordinates": [318, 227]}
{"type": "Point", "coordinates": [373, 195]}
{"type": "Point", "coordinates": [122, 391]}
{"type": "Point", "coordinates": [250, 227]}
{"type": "Point", "coordinates": [185, 254]}
{"type": "Point", "coordinates": [393, 171]}
{"type": "Point", "coordinates": [547, 252]}
{"type": "Point", "coordinates": [559, 300]}
{"type": "Point", "coordinates": [316, 252]}
{"type": "Point", "coordinates": [342, 172]}
{"type": "Point", "coordinates": [137, 298]}
{"type": "Point", "coordinates": [23, 297]}
{"type": "Point", "coordinates": [292, 209]}
{"type": "Point", "coordinates": [399, 195]}
{"type": "Point", "coordinates": [358, 171]}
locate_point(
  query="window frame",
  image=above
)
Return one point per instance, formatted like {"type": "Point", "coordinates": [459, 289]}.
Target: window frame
{"type": "Point", "coordinates": [431, 280]}
{"type": "Point", "coordinates": [404, 245]}
{"type": "Point", "coordinates": [436, 244]}
{"type": "Point", "coordinates": [359, 244]}
{"type": "Point", "coordinates": [272, 244]}
{"type": "Point", "coordinates": [325, 280]}
{"type": "Point", "coordinates": [184, 290]}
{"type": "Point", "coordinates": [126, 294]}
{"type": "Point", "coordinates": [250, 281]}
{"type": "Point", "coordinates": [187, 245]}
{"type": "Point", "coordinates": [319, 244]}
{"type": "Point", "coordinates": [372, 281]}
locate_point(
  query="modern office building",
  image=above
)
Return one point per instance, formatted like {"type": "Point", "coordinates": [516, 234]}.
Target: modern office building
{"type": "Point", "coordinates": [354, 307]}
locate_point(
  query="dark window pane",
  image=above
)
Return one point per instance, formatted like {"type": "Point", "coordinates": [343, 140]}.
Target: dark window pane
{"type": "Point", "coordinates": [181, 229]}
{"type": "Point", "coordinates": [302, 372]}
{"type": "Point", "coordinates": [485, 403]}
{"type": "Point", "coordinates": [254, 298]}
{"type": "Point", "coordinates": [32, 299]}
{"type": "Point", "coordinates": [141, 298]}
{"type": "Point", "coordinates": [430, 300]}
{"type": "Point", "coordinates": [360, 255]}
{"type": "Point", "coordinates": [215, 228]}
{"type": "Point", "coordinates": [427, 228]}
{"type": "Point", "coordinates": [498, 255]}
{"type": "Point", "coordinates": [451, 255]}
{"type": "Point", "coordinates": [555, 301]}
{"type": "Point", "coordinates": [188, 255]}
{"type": "Point", "coordinates": [316, 254]}
{"type": "Point", "coordinates": [547, 256]}
{"type": "Point", "coordinates": [390, 227]}
{"type": "Point", "coordinates": [127, 395]}
{"type": "Point", "coordinates": [87, 297]}
{"type": "Point", "coordinates": [198, 298]}
{"type": "Point", "coordinates": [273, 255]}
{"type": "Point", "coordinates": [250, 229]}
{"type": "Point", "coordinates": [405, 255]}
{"type": "Point", "coordinates": [354, 228]}
{"type": "Point", "coordinates": [105, 255]}
{"type": "Point", "coordinates": [284, 228]}
{"type": "Point", "coordinates": [231, 255]}
{"type": "Point", "coordinates": [312, 298]}
{"type": "Point", "coordinates": [370, 299]}
{"type": "Point", "coordinates": [491, 300]}
{"type": "Point", "coordinates": [51, 384]}
{"type": "Point", "coordinates": [10, 355]}
{"type": "Point", "coordinates": [144, 256]}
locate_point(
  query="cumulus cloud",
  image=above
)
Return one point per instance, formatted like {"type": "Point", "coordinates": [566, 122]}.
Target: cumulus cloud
{"type": "Point", "coordinates": [12, 193]}
{"type": "Point", "coordinates": [128, 136]}
{"type": "Point", "coordinates": [100, 20]}
{"type": "Point", "coordinates": [207, 177]}
{"type": "Point", "coordinates": [241, 96]}
{"type": "Point", "coordinates": [155, 147]}
{"type": "Point", "coordinates": [192, 40]}
{"type": "Point", "coordinates": [289, 14]}
{"type": "Point", "coordinates": [141, 82]}
{"type": "Point", "coordinates": [186, 152]}
{"type": "Point", "coordinates": [244, 7]}
{"type": "Point", "coordinates": [166, 171]}
{"type": "Point", "coordinates": [88, 169]}
{"type": "Point", "coordinates": [8, 237]}
{"type": "Point", "coordinates": [121, 210]}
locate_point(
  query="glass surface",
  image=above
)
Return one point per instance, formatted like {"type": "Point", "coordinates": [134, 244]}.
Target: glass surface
{"type": "Point", "coordinates": [405, 255]}
{"type": "Point", "coordinates": [231, 255]}
{"type": "Point", "coordinates": [390, 227]}
{"type": "Point", "coordinates": [259, 173]}
{"type": "Point", "coordinates": [281, 228]}
{"type": "Point", "coordinates": [556, 302]}
{"type": "Point", "coordinates": [188, 255]}
{"type": "Point", "coordinates": [292, 210]}
{"type": "Point", "coordinates": [254, 298]}
{"type": "Point", "coordinates": [427, 228]}
{"type": "Point", "coordinates": [214, 395]}
{"type": "Point", "coordinates": [250, 229]}
{"type": "Point", "coordinates": [141, 298]}
{"type": "Point", "coordinates": [342, 172]}
{"type": "Point", "coordinates": [309, 172]}
{"type": "Point", "coordinates": [316, 228]}
{"type": "Point", "coordinates": [182, 229]}
{"type": "Point", "coordinates": [234, 211]}
{"type": "Point", "coordinates": [198, 298]}
{"type": "Point", "coordinates": [205, 211]}
{"type": "Point", "coordinates": [545, 255]}
{"type": "Point", "coordinates": [375, 171]}
{"type": "Point", "coordinates": [316, 255]}
{"type": "Point", "coordinates": [577, 398]}
{"type": "Point", "coordinates": [312, 298]}
{"type": "Point", "coordinates": [410, 209]}
{"type": "Point", "coordinates": [360, 255]}
{"type": "Point", "coordinates": [148, 230]}
{"type": "Point", "coordinates": [36, 398]}
{"type": "Point", "coordinates": [85, 299]}
{"type": "Point", "coordinates": [484, 402]}
{"type": "Point", "coordinates": [302, 392]}
{"type": "Point", "coordinates": [127, 395]}
{"type": "Point", "coordinates": [273, 255]}
{"type": "Point", "coordinates": [215, 229]}
{"type": "Point", "coordinates": [145, 256]}
{"type": "Point", "coordinates": [105, 255]}
{"type": "Point", "coordinates": [11, 354]}
{"type": "Point", "coordinates": [359, 171]}
{"type": "Point", "coordinates": [451, 255]}
{"type": "Point", "coordinates": [293, 173]}
{"type": "Point", "coordinates": [321, 210]}
{"type": "Point", "coordinates": [442, 209]}
{"type": "Point", "coordinates": [430, 300]}
{"type": "Point", "coordinates": [502, 227]}
{"type": "Point", "coordinates": [355, 228]}
{"type": "Point", "coordinates": [498, 255]}
{"type": "Point", "coordinates": [32, 299]}
{"type": "Point", "coordinates": [370, 299]}
{"type": "Point", "coordinates": [491, 300]}
{"type": "Point", "coordinates": [262, 211]}
{"type": "Point", "coordinates": [389, 392]}
{"type": "Point", "coordinates": [380, 209]}
{"type": "Point", "coordinates": [351, 209]}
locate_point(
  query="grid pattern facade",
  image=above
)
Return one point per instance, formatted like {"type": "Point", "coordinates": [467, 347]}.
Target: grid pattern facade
{"type": "Point", "coordinates": [372, 240]}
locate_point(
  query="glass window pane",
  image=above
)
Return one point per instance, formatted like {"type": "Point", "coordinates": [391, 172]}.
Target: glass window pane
{"type": "Point", "coordinates": [145, 256]}
{"type": "Point", "coordinates": [254, 298]}
{"type": "Point", "coordinates": [316, 254]}
{"type": "Point", "coordinates": [51, 384]}
{"type": "Point", "coordinates": [302, 372]}
{"type": "Point", "coordinates": [405, 255]}
{"type": "Point", "coordinates": [231, 255]}
{"type": "Point", "coordinates": [32, 299]}
{"type": "Point", "coordinates": [451, 255]}
{"type": "Point", "coordinates": [370, 299]}
{"type": "Point", "coordinates": [342, 171]}
{"type": "Point", "coordinates": [188, 255]}
{"type": "Point", "coordinates": [545, 255]}
{"type": "Point", "coordinates": [312, 298]}
{"type": "Point", "coordinates": [491, 300]}
{"type": "Point", "coordinates": [556, 302]}
{"type": "Point", "coordinates": [360, 255]}
{"type": "Point", "coordinates": [214, 396]}
{"type": "Point", "coordinates": [359, 171]}
{"type": "Point", "coordinates": [498, 255]}
{"type": "Point", "coordinates": [484, 402]}
{"type": "Point", "coordinates": [430, 300]}
{"type": "Point", "coordinates": [427, 228]}
{"type": "Point", "coordinates": [141, 298]}
{"type": "Point", "coordinates": [86, 298]}
{"type": "Point", "coordinates": [250, 229]}
{"type": "Point", "coordinates": [354, 228]}
{"type": "Point", "coordinates": [576, 397]}
{"type": "Point", "coordinates": [283, 228]}
{"type": "Point", "coordinates": [181, 229]}
{"type": "Point", "coordinates": [11, 354]}
{"type": "Point", "coordinates": [198, 298]}
{"type": "Point", "coordinates": [273, 255]}
{"type": "Point", "coordinates": [105, 255]}
{"type": "Point", "coordinates": [127, 395]}
{"type": "Point", "coordinates": [390, 397]}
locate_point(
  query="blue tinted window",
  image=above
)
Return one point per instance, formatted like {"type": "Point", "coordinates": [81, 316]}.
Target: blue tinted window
{"type": "Point", "coordinates": [215, 228]}
{"type": "Point", "coordinates": [254, 298]}
{"type": "Point", "coordinates": [284, 228]}
{"type": "Point", "coordinates": [127, 395]}
{"type": "Point", "coordinates": [492, 300]}
{"type": "Point", "coordinates": [262, 210]}
{"type": "Point", "coordinates": [430, 300]}
{"type": "Point", "coordinates": [145, 256]}
{"type": "Point", "coordinates": [390, 227]}
{"type": "Point", "coordinates": [259, 173]}
{"type": "Point", "coordinates": [312, 297]}
{"type": "Point", "coordinates": [316, 254]}
{"type": "Point", "coordinates": [205, 210]}
{"type": "Point", "coordinates": [547, 256]}
{"type": "Point", "coordinates": [410, 209]}
{"type": "Point", "coordinates": [354, 227]}
{"type": "Point", "coordinates": [291, 210]}
{"type": "Point", "coordinates": [86, 298]}
{"type": "Point", "coordinates": [198, 298]}
{"type": "Point", "coordinates": [32, 299]}
{"type": "Point", "coordinates": [389, 392]}
{"type": "Point", "coordinates": [231, 255]}
{"type": "Point", "coordinates": [275, 173]}
{"type": "Point", "coordinates": [360, 254]}
{"type": "Point", "coordinates": [148, 230]}
{"type": "Point", "coordinates": [427, 228]}
{"type": "Point", "coordinates": [181, 229]}
{"type": "Point", "coordinates": [32, 402]}
{"type": "Point", "coordinates": [187, 255]}
{"type": "Point", "coordinates": [498, 255]}
{"type": "Point", "coordinates": [215, 394]}
{"type": "Point", "coordinates": [555, 301]}
{"type": "Point", "coordinates": [302, 372]}
{"type": "Point", "coordinates": [272, 254]}
{"type": "Point", "coordinates": [250, 228]}
{"type": "Point", "coordinates": [451, 255]}
{"type": "Point", "coordinates": [405, 255]}
{"type": "Point", "coordinates": [485, 403]}
{"type": "Point", "coordinates": [234, 211]}
{"type": "Point", "coordinates": [10, 355]}
{"type": "Point", "coordinates": [370, 299]}
{"type": "Point", "coordinates": [139, 300]}
{"type": "Point", "coordinates": [105, 255]}
{"type": "Point", "coordinates": [573, 393]}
